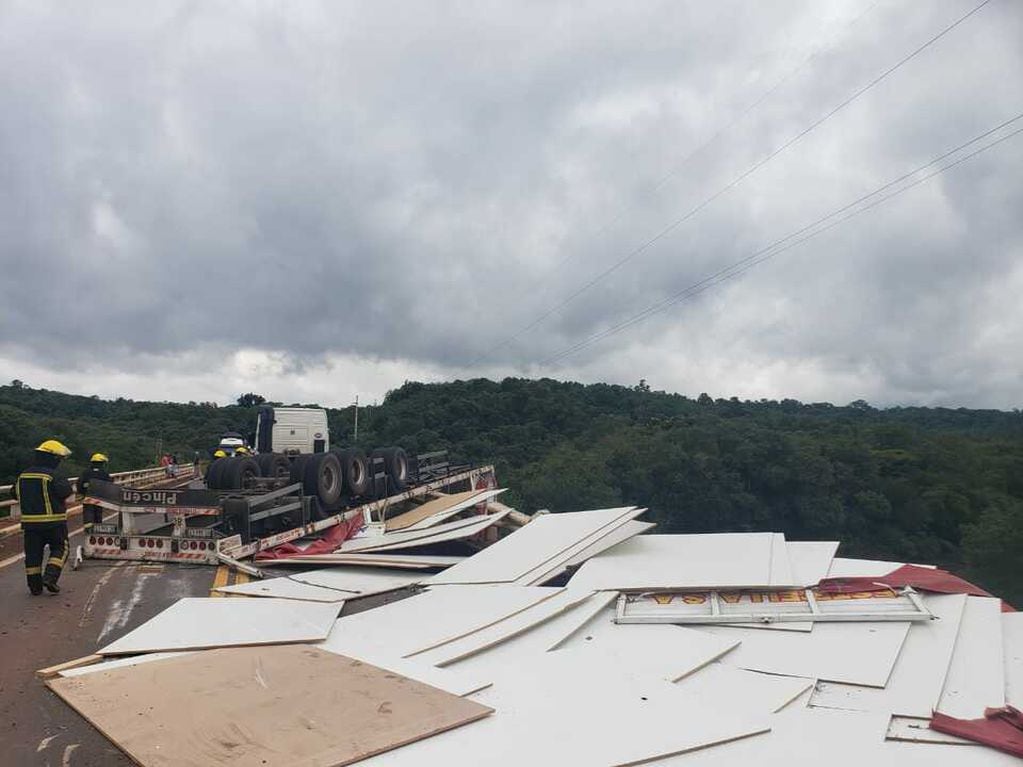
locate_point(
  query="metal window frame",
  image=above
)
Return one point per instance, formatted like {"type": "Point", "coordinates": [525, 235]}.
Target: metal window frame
{"type": "Point", "coordinates": [815, 615]}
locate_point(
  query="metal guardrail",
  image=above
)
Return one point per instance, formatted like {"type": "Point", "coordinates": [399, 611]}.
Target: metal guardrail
{"type": "Point", "coordinates": [120, 478]}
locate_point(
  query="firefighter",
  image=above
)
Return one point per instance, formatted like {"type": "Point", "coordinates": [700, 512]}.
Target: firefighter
{"type": "Point", "coordinates": [92, 514]}
{"type": "Point", "coordinates": [42, 495]}
{"type": "Point", "coordinates": [217, 455]}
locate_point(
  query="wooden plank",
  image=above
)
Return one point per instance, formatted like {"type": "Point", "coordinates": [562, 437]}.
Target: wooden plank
{"type": "Point", "coordinates": [915, 686]}
{"type": "Point", "coordinates": [428, 509]}
{"type": "Point", "coordinates": [447, 531]}
{"type": "Point", "coordinates": [540, 541]}
{"type": "Point", "coordinates": [435, 519]}
{"type": "Point", "coordinates": [1012, 643]}
{"type": "Point", "coordinates": [51, 671]}
{"type": "Point", "coordinates": [666, 562]}
{"type": "Point", "coordinates": [261, 706]}
{"type": "Point", "coordinates": [200, 623]}
{"type": "Point", "coordinates": [976, 673]}
{"type": "Point", "coordinates": [442, 614]}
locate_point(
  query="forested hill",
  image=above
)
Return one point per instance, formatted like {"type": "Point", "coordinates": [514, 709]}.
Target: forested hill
{"type": "Point", "coordinates": [909, 484]}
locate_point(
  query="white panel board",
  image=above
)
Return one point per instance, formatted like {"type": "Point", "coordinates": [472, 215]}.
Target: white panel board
{"type": "Point", "coordinates": [976, 674]}
{"type": "Point", "coordinates": [448, 531]}
{"type": "Point", "coordinates": [725, 686]}
{"type": "Point", "coordinates": [857, 653]}
{"type": "Point", "coordinates": [197, 623]}
{"type": "Point", "coordinates": [131, 660]}
{"type": "Point", "coordinates": [713, 560]}
{"type": "Point", "coordinates": [662, 652]}
{"type": "Point", "coordinates": [502, 631]}
{"type": "Point", "coordinates": [618, 535]}
{"type": "Point", "coordinates": [917, 679]}
{"type": "Point", "coordinates": [842, 567]}
{"type": "Point", "coordinates": [544, 538]}
{"type": "Point", "coordinates": [366, 559]}
{"type": "Point", "coordinates": [435, 519]}
{"type": "Point", "coordinates": [1012, 642]}
{"type": "Point", "coordinates": [811, 560]}
{"type": "Point", "coordinates": [426, 620]}
{"type": "Point", "coordinates": [591, 545]}
{"type": "Point", "coordinates": [361, 580]}
{"type": "Point", "coordinates": [917, 730]}
{"type": "Point", "coordinates": [568, 708]}
{"type": "Point", "coordinates": [456, 682]}
{"type": "Point", "coordinates": [286, 588]}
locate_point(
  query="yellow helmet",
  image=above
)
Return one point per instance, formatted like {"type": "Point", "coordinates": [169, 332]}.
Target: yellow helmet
{"type": "Point", "coordinates": [53, 447]}
{"type": "Point", "coordinates": [98, 458]}
{"type": "Point", "coordinates": [241, 450]}
{"type": "Point", "coordinates": [220, 454]}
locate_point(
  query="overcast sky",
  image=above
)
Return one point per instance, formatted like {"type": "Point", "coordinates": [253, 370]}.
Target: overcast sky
{"type": "Point", "coordinates": [312, 200]}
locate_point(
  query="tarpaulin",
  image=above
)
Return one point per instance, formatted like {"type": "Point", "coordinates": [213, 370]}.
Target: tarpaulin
{"type": "Point", "coordinates": [1001, 728]}
{"type": "Point", "coordinates": [331, 539]}
{"type": "Point", "coordinates": [921, 578]}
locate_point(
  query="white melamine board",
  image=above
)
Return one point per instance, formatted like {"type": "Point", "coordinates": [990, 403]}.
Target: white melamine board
{"type": "Point", "coordinates": [712, 560]}
{"type": "Point", "coordinates": [976, 674]}
{"type": "Point", "coordinates": [919, 675]}
{"type": "Point", "coordinates": [456, 682]}
{"type": "Point", "coordinates": [902, 754]}
{"type": "Point", "coordinates": [435, 519]}
{"type": "Point", "coordinates": [286, 588]}
{"type": "Point", "coordinates": [917, 730]}
{"type": "Point", "coordinates": [544, 538]}
{"type": "Point", "coordinates": [601, 540]}
{"type": "Point", "coordinates": [781, 569]}
{"type": "Point", "coordinates": [196, 623]}
{"type": "Point", "coordinates": [725, 686]}
{"type": "Point", "coordinates": [504, 630]}
{"type": "Point", "coordinates": [811, 560]}
{"type": "Point", "coordinates": [1012, 646]}
{"type": "Point", "coordinates": [361, 580]}
{"type": "Point", "coordinates": [131, 660]}
{"type": "Point", "coordinates": [857, 653]}
{"type": "Point", "coordinates": [448, 531]}
{"type": "Point", "coordinates": [569, 708]}
{"type": "Point", "coordinates": [663, 652]}
{"type": "Point", "coordinates": [618, 535]}
{"type": "Point", "coordinates": [842, 567]}
{"type": "Point", "coordinates": [442, 614]}
{"type": "Point", "coordinates": [383, 559]}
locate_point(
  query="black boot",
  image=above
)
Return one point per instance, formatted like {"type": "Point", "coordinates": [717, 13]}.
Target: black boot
{"type": "Point", "coordinates": [35, 584]}
{"type": "Point", "coordinates": [51, 585]}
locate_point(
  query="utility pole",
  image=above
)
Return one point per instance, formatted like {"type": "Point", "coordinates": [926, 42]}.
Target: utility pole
{"type": "Point", "coordinates": [356, 440]}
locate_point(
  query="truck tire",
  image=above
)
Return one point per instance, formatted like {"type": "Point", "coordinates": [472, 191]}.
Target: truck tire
{"type": "Point", "coordinates": [355, 470]}
{"type": "Point", "coordinates": [323, 478]}
{"type": "Point", "coordinates": [263, 459]}
{"type": "Point", "coordinates": [238, 473]}
{"type": "Point", "coordinates": [274, 465]}
{"type": "Point", "coordinates": [395, 465]}
{"type": "Point", "coordinates": [214, 472]}
{"type": "Point", "coordinates": [298, 466]}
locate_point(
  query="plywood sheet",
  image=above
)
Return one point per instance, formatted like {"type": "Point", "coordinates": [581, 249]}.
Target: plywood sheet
{"type": "Point", "coordinates": [857, 653]}
{"type": "Point", "coordinates": [976, 674]}
{"type": "Point", "coordinates": [502, 631]}
{"type": "Point", "coordinates": [532, 545]}
{"type": "Point", "coordinates": [714, 560]}
{"type": "Point", "coordinates": [197, 623]}
{"type": "Point", "coordinates": [811, 560]}
{"type": "Point", "coordinates": [450, 680]}
{"type": "Point", "coordinates": [428, 509]}
{"type": "Point", "coordinates": [1012, 646]}
{"type": "Point", "coordinates": [919, 675]}
{"type": "Point", "coordinates": [662, 652]}
{"type": "Point", "coordinates": [448, 531]}
{"type": "Point", "coordinates": [725, 686]}
{"type": "Point", "coordinates": [441, 516]}
{"type": "Point", "coordinates": [261, 706]}
{"type": "Point", "coordinates": [442, 614]}
{"type": "Point", "coordinates": [569, 708]}
{"type": "Point", "coordinates": [590, 546]}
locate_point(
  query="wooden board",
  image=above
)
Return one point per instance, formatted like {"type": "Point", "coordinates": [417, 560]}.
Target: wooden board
{"type": "Point", "coordinates": [456, 682]}
{"type": "Point", "coordinates": [485, 497]}
{"type": "Point", "coordinates": [122, 662]}
{"type": "Point", "coordinates": [919, 675]}
{"type": "Point", "coordinates": [428, 509]}
{"type": "Point", "coordinates": [196, 623]}
{"type": "Point", "coordinates": [448, 531]}
{"type": "Point", "coordinates": [976, 674]}
{"type": "Point", "coordinates": [267, 706]}
{"type": "Point", "coordinates": [1012, 645]}
{"type": "Point", "coordinates": [529, 547]}
{"type": "Point", "coordinates": [57, 670]}
{"type": "Point", "coordinates": [712, 560]}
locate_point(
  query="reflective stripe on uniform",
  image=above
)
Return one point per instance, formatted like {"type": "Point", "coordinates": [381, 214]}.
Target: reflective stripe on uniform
{"type": "Point", "coordinates": [57, 561]}
{"type": "Point", "coordinates": [33, 570]}
{"type": "Point", "coordinates": [28, 519]}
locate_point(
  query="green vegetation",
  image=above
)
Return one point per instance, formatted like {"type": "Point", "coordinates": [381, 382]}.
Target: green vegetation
{"type": "Point", "coordinates": [910, 484]}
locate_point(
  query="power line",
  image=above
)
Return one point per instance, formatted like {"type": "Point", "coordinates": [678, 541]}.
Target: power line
{"type": "Point", "coordinates": [744, 175]}
{"type": "Point", "coordinates": [795, 238]}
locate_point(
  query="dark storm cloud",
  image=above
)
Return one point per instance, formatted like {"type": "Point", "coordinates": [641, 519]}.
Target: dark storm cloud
{"type": "Point", "coordinates": [419, 182]}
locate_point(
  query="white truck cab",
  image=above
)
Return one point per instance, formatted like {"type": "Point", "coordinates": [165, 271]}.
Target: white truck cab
{"type": "Point", "coordinates": [292, 430]}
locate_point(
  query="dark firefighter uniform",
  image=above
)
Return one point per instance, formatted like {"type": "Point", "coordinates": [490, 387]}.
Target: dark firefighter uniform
{"type": "Point", "coordinates": [92, 514]}
{"type": "Point", "coordinates": [42, 495]}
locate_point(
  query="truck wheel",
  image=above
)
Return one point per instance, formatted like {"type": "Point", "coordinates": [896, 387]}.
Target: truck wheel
{"type": "Point", "coordinates": [214, 472]}
{"type": "Point", "coordinates": [355, 471]}
{"type": "Point", "coordinates": [298, 466]}
{"type": "Point", "coordinates": [263, 459]}
{"type": "Point", "coordinates": [239, 473]}
{"type": "Point", "coordinates": [323, 478]}
{"type": "Point", "coordinates": [395, 465]}
{"type": "Point", "coordinates": [277, 466]}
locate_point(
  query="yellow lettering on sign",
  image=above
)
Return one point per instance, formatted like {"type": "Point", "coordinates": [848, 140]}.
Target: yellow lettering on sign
{"type": "Point", "coordinates": [694, 599]}
{"type": "Point", "coordinates": [731, 598]}
{"type": "Point", "coordinates": [663, 599]}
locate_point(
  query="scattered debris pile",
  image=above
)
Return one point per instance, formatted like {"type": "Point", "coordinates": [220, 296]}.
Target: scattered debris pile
{"type": "Point", "coordinates": [689, 650]}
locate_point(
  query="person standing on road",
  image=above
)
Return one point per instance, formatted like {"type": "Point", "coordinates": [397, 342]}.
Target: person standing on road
{"type": "Point", "coordinates": [92, 514]}
{"type": "Point", "coordinates": [42, 494]}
